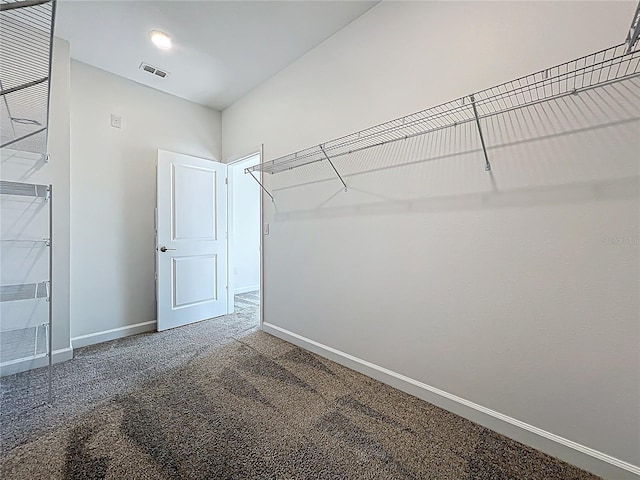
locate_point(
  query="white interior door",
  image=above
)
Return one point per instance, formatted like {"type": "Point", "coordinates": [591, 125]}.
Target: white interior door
{"type": "Point", "coordinates": [191, 243]}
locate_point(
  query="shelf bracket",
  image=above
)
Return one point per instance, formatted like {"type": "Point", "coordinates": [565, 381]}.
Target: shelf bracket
{"type": "Point", "coordinates": [334, 167]}
{"type": "Point", "coordinates": [487, 165]}
{"type": "Point", "coordinates": [634, 31]}
{"type": "Point", "coordinates": [246, 170]}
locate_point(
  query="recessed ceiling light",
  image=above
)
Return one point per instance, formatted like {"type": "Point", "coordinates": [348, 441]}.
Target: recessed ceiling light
{"type": "Point", "coordinates": [161, 40]}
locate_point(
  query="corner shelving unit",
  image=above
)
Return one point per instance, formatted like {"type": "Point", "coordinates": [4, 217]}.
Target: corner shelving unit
{"type": "Point", "coordinates": [26, 47]}
{"type": "Point", "coordinates": [605, 67]}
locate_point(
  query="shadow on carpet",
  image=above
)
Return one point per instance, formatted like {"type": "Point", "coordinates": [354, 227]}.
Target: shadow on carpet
{"type": "Point", "coordinates": [261, 408]}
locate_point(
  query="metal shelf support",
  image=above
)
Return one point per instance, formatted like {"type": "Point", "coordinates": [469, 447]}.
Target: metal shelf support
{"type": "Point", "coordinates": [487, 165]}
{"type": "Point", "coordinates": [49, 298]}
{"type": "Point", "coordinates": [333, 166]}
{"type": "Point", "coordinates": [634, 31]}
{"type": "Point", "coordinates": [246, 170]}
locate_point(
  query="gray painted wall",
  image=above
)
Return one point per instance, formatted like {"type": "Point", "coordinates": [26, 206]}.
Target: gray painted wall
{"type": "Point", "coordinates": [518, 290]}
{"type": "Point", "coordinates": [113, 192]}
{"type": "Point", "coordinates": [60, 159]}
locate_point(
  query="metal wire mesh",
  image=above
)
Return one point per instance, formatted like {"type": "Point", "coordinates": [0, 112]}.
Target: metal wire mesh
{"type": "Point", "coordinates": [23, 189]}
{"type": "Point", "coordinates": [569, 78]}
{"type": "Point", "coordinates": [25, 291]}
{"type": "Point", "coordinates": [26, 34]}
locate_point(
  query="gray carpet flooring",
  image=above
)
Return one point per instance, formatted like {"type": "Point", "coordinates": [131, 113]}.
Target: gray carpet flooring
{"type": "Point", "coordinates": [221, 400]}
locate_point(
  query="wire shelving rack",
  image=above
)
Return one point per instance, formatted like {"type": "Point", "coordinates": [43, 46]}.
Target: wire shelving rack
{"type": "Point", "coordinates": [598, 69]}
{"type": "Point", "coordinates": [26, 40]}
{"type": "Point", "coordinates": [26, 49]}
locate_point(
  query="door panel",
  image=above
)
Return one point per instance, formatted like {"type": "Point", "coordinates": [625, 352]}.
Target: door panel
{"type": "Point", "coordinates": [193, 197]}
{"type": "Point", "coordinates": [194, 279]}
{"type": "Point", "coordinates": [191, 250]}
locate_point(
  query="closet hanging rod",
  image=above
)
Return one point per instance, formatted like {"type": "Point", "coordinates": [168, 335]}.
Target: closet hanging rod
{"type": "Point", "coordinates": [598, 69]}
{"type": "Point", "coordinates": [21, 4]}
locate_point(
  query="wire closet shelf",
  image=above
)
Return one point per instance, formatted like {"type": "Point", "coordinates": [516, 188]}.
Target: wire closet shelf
{"type": "Point", "coordinates": [570, 78]}
{"type": "Point", "coordinates": [26, 291]}
{"type": "Point", "coordinates": [26, 40]}
{"type": "Point", "coordinates": [26, 48]}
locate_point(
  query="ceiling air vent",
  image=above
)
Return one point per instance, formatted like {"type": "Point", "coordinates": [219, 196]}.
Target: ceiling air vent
{"type": "Point", "coordinates": [153, 70]}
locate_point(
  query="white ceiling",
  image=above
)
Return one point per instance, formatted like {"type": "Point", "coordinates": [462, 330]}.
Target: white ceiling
{"type": "Point", "coordinates": [222, 49]}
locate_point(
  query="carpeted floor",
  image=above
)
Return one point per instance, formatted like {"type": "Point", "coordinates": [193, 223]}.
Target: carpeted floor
{"type": "Point", "coordinates": [221, 400]}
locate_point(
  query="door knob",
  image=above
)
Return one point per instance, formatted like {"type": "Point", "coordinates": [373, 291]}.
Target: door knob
{"type": "Point", "coordinates": [164, 249]}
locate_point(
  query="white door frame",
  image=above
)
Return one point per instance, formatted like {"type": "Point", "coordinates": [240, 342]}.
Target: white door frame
{"type": "Point", "coordinates": [230, 161]}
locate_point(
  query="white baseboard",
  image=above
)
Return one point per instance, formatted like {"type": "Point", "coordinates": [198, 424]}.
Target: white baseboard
{"type": "Point", "coordinates": [113, 334]}
{"type": "Point", "coordinates": [250, 288]}
{"type": "Point", "coordinates": [35, 361]}
{"type": "Point", "coordinates": [572, 452]}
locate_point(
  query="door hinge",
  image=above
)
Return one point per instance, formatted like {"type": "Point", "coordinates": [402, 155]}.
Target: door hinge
{"type": "Point", "coordinates": [226, 181]}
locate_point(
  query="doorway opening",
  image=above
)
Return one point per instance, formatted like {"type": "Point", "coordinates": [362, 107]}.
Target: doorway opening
{"type": "Point", "coordinates": [245, 235]}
